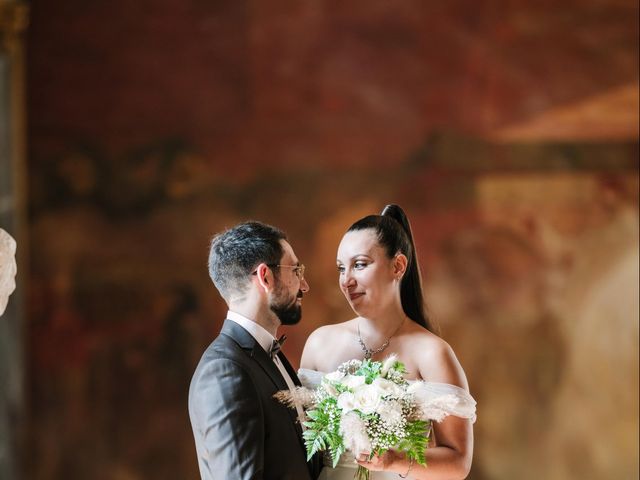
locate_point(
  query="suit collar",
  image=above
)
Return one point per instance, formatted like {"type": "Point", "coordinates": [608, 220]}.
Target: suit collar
{"type": "Point", "coordinates": [247, 342]}
{"type": "Point", "coordinates": [257, 331]}
{"type": "Point", "coordinates": [239, 335]}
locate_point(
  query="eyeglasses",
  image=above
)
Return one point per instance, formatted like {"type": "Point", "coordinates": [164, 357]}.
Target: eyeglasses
{"type": "Point", "coordinates": [297, 269]}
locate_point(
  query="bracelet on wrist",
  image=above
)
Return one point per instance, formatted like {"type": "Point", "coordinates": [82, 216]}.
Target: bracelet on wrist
{"type": "Point", "coordinates": [407, 474]}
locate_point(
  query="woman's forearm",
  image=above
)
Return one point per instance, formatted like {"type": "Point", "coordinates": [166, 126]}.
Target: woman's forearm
{"type": "Point", "coordinates": [443, 463]}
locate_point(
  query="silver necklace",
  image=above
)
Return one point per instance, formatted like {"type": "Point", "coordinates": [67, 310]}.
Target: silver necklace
{"type": "Point", "coordinates": [368, 352]}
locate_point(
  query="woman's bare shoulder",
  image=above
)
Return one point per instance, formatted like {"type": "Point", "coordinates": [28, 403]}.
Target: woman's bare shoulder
{"type": "Point", "coordinates": [435, 346]}
{"type": "Point", "coordinates": [428, 342]}
{"type": "Point", "coordinates": [316, 344]}
{"type": "Point", "coordinates": [436, 360]}
{"type": "Point", "coordinates": [331, 331]}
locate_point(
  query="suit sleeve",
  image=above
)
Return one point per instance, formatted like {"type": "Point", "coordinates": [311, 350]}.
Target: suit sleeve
{"type": "Point", "coordinates": [229, 415]}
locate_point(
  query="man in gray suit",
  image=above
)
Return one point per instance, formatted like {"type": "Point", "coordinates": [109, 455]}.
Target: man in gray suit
{"type": "Point", "coordinates": [241, 431]}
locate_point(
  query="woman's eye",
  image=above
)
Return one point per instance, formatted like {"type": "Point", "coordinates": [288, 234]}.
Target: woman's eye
{"type": "Point", "coordinates": [360, 265]}
{"type": "Point", "coordinates": [340, 269]}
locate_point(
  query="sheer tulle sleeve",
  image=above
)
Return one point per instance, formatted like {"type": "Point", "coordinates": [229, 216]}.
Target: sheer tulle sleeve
{"type": "Point", "coordinates": [310, 378]}
{"type": "Point", "coordinates": [438, 400]}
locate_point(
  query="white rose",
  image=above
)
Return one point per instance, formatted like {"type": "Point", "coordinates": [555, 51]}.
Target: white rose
{"type": "Point", "coordinates": [334, 376]}
{"type": "Point", "coordinates": [346, 401]}
{"type": "Point", "coordinates": [330, 389]}
{"type": "Point", "coordinates": [367, 398]}
{"type": "Point", "coordinates": [386, 387]}
{"type": "Point", "coordinates": [353, 381]}
{"type": "Point", "coordinates": [329, 380]}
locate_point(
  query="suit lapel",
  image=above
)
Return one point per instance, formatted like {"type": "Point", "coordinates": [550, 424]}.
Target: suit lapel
{"type": "Point", "coordinates": [296, 381]}
{"type": "Point", "coordinates": [289, 369]}
{"type": "Point", "coordinates": [247, 342]}
{"type": "Point", "coordinates": [315, 464]}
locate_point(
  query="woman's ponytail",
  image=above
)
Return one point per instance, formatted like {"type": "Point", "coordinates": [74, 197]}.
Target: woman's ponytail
{"type": "Point", "coordinates": [394, 235]}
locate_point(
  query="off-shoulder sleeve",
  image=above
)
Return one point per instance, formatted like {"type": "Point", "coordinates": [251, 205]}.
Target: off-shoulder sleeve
{"type": "Point", "coordinates": [438, 400]}
{"type": "Point", "coordinates": [310, 378]}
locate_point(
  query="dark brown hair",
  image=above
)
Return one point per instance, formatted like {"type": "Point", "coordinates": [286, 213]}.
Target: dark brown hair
{"type": "Point", "coordinates": [394, 235]}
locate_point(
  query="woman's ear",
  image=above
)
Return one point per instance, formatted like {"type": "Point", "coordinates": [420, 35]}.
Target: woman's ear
{"type": "Point", "coordinates": [264, 277]}
{"type": "Point", "coordinates": [400, 263]}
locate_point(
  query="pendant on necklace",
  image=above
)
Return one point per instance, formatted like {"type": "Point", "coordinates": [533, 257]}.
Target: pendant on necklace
{"type": "Point", "coordinates": [368, 353]}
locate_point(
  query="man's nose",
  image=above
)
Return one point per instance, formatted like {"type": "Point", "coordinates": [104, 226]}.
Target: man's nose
{"type": "Point", "coordinates": [304, 286]}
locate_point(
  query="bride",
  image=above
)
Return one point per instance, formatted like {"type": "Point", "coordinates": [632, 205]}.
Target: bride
{"type": "Point", "coordinates": [379, 276]}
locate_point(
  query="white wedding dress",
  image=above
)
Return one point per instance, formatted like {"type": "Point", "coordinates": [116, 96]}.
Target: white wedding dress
{"type": "Point", "coordinates": [458, 402]}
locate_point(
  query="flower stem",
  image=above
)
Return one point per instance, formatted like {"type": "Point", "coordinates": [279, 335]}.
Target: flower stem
{"type": "Point", "coordinates": [361, 473]}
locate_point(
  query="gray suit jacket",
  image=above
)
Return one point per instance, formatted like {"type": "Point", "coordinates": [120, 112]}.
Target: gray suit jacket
{"type": "Point", "coordinates": [241, 431]}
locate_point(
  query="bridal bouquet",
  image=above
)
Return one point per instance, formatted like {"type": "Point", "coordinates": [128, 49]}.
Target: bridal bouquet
{"type": "Point", "coordinates": [368, 406]}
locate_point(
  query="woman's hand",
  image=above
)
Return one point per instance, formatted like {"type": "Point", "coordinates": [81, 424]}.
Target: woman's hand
{"type": "Point", "coordinates": [377, 462]}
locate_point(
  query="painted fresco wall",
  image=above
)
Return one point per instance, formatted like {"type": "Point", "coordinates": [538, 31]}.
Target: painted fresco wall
{"type": "Point", "coordinates": [508, 131]}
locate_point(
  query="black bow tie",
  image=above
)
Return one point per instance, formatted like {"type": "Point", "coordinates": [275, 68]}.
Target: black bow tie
{"type": "Point", "coordinates": [276, 345]}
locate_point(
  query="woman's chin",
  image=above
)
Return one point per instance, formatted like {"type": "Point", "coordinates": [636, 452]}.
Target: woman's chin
{"type": "Point", "coordinates": [358, 309]}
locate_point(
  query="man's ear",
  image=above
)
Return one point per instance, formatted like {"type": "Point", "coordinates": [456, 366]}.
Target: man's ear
{"type": "Point", "coordinates": [264, 277]}
{"type": "Point", "coordinates": [400, 263]}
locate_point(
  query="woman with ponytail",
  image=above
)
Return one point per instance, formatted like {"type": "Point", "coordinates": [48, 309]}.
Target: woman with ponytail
{"type": "Point", "coordinates": [380, 278]}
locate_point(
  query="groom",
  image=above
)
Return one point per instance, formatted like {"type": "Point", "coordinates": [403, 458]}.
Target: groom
{"type": "Point", "coordinates": [241, 431]}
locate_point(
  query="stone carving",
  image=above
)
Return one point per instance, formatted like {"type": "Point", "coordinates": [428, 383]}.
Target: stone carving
{"type": "Point", "coordinates": [8, 268]}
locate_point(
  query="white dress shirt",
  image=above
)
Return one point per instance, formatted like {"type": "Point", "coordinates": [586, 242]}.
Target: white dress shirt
{"type": "Point", "coordinates": [265, 340]}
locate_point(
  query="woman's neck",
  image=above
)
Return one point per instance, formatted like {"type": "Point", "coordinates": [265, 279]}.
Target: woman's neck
{"type": "Point", "coordinates": [381, 325]}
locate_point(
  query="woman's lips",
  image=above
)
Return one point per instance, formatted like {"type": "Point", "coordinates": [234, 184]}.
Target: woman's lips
{"type": "Point", "coordinates": [355, 295]}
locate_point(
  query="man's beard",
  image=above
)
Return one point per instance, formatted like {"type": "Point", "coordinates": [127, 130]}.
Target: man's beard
{"type": "Point", "coordinates": [289, 313]}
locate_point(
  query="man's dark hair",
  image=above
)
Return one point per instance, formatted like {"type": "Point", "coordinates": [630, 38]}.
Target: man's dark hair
{"type": "Point", "coordinates": [236, 252]}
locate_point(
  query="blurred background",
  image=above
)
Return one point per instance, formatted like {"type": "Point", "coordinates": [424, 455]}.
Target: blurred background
{"type": "Point", "coordinates": [131, 132]}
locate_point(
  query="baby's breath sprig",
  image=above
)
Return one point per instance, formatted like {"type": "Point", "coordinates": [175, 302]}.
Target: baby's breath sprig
{"type": "Point", "coordinates": [350, 367]}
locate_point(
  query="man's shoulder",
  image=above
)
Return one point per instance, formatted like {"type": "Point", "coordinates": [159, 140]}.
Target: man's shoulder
{"type": "Point", "coordinates": [222, 359]}
{"type": "Point", "coordinates": [223, 349]}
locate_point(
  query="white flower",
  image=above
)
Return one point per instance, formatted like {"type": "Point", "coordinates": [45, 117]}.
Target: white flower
{"type": "Point", "coordinates": [346, 401]}
{"type": "Point", "coordinates": [388, 363]}
{"type": "Point", "coordinates": [334, 376]}
{"type": "Point", "coordinates": [390, 411]}
{"type": "Point", "coordinates": [367, 398]}
{"type": "Point", "coordinates": [353, 381]}
{"type": "Point", "coordinates": [354, 433]}
{"type": "Point", "coordinates": [351, 366]}
{"type": "Point", "coordinates": [386, 387]}
{"type": "Point", "coordinates": [329, 388]}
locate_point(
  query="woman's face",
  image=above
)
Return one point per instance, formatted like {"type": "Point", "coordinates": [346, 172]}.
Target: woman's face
{"type": "Point", "coordinates": [367, 277]}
